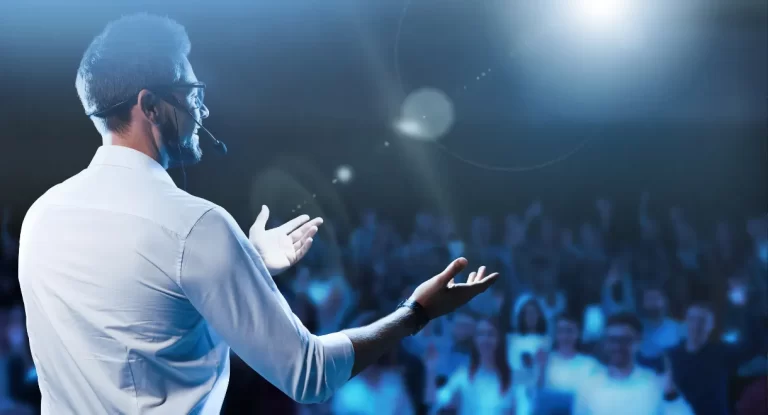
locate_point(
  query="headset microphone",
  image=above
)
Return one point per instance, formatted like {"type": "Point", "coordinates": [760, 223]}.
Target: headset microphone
{"type": "Point", "coordinates": [220, 146]}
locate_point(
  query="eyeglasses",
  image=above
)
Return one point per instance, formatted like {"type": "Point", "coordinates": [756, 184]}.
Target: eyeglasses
{"type": "Point", "coordinates": [199, 88]}
{"type": "Point", "coordinates": [161, 89]}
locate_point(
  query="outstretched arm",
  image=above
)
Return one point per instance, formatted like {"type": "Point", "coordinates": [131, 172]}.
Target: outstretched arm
{"type": "Point", "coordinates": [226, 281]}
{"type": "Point", "coordinates": [438, 295]}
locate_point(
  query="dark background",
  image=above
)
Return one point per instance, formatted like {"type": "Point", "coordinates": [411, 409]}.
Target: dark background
{"type": "Point", "coordinates": [297, 88]}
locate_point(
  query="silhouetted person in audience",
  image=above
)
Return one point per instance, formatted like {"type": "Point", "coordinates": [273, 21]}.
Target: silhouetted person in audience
{"type": "Point", "coordinates": [702, 364]}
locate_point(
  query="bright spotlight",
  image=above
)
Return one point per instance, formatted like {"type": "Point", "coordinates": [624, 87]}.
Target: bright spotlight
{"type": "Point", "coordinates": [601, 15]}
{"type": "Point", "coordinates": [344, 174]}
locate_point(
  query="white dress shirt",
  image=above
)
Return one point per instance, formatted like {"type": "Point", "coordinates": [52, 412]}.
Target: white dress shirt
{"type": "Point", "coordinates": [135, 290]}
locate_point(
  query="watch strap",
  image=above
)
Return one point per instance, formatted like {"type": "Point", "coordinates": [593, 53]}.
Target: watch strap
{"type": "Point", "coordinates": [419, 312]}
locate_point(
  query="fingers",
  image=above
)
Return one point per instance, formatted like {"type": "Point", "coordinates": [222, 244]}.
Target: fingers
{"type": "Point", "coordinates": [294, 223]}
{"type": "Point", "coordinates": [261, 219]}
{"type": "Point", "coordinates": [304, 249]}
{"type": "Point", "coordinates": [487, 281]}
{"type": "Point", "coordinates": [306, 230]}
{"type": "Point", "coordinates": [476, 276]}
{"type": "Point", "coordinates": [453, 268]}
{"type": "Point", "coordinates": [478, 285]}
{"type": "Point", "coordinates": [298, 243]}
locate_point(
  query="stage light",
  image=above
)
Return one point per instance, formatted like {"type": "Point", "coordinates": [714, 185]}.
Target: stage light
{"type": "Point", "coordinates": [426, 114]}
{"type": "Point", "coordinates": [344, 174]}
{"type": "Point", "coordinates": [601, 15]}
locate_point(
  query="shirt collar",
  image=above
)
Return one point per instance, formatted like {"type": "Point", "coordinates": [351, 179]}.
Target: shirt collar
{"type": "Point", "coordinates": [120, 156]}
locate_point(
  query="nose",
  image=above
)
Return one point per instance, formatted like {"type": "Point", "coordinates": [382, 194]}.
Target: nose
{"type": "Point", "coordinates": [204, 113]}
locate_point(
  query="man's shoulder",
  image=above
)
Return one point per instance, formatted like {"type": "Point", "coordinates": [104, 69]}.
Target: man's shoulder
{"type": "Point", "coordinates": [166, 206]}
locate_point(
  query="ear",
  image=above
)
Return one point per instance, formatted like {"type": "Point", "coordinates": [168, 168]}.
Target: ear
{"type": "Point", "coordinates": [149, 105]}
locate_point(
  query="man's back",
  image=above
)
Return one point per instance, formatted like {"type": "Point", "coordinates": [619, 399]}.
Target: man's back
{"type": "Point", "coordinates": [110, 329]}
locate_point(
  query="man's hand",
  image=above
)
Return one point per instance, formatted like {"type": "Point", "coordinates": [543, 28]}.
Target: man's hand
{"type": "Point", "coordinates": [440, 295]}
{"type": "Point", "coordinates": [282, 247]}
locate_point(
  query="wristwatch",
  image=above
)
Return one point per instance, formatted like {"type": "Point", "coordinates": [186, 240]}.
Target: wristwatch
{"type": "Point", "coordinates": [421, 318]}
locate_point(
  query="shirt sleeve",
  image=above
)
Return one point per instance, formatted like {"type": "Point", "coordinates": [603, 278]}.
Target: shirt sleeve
{"type": "Point", "coordinates": [225, 279]}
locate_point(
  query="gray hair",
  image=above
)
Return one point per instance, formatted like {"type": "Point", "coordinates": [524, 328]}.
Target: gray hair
{"type": "Point", "coordinates": [132, 53]}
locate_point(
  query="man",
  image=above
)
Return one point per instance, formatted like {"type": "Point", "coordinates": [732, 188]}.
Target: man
{"type": "Point", "coordinates": [622, 387]}
{"type": "Point", "coordinates": [702, 366]}
{"type": "Point", "coordinates": [561, 371]}
{"type": "Point", "coordinates": [659, 331]}
{"type": "Point", "coordinates": [135, 290]}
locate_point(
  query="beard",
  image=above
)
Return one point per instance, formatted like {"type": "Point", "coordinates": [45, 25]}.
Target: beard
{"type": "Point", "coordinates": [182, 151]}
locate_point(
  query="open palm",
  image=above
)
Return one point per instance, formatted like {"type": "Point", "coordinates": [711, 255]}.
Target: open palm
{"type": "Point", "coordinates": [283, 246]}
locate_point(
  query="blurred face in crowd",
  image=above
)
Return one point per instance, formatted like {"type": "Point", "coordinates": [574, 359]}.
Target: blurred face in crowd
{"type": "Point", "coordinates": [699, 322]}
{"type": "Point", "coordinates": [463, 327]}
{"type": "Point", "coordinates": [654, 304]}
{"type": "Point", "coordinates": [621, 344]}
{"type": "Point", "coordinates": [566, 334]}
{"type": "Point", "coordinates": [486, 339]}
{"type": "Point", "coordinates": [531, 315]}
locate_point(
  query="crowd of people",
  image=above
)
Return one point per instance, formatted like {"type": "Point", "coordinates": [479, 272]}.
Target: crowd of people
{"type": "Point", "coordinates": [670, 319]}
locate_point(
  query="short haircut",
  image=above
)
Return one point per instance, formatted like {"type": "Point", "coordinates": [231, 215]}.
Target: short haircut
{"type": "Point", "coordinates": [625, 318]}
{"type": "Point", "coordinates": [132, 53]}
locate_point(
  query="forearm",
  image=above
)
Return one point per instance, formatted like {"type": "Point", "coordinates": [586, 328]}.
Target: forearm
{"type": "Point", "coordinates": [374, 340]}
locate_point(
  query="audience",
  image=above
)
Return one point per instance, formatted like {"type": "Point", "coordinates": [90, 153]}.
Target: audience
{"type": "Point", "coordinates": [586, 320]}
